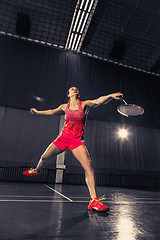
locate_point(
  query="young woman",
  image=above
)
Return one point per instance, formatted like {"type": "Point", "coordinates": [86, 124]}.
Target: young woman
{"type": "Point", "coordinates": [71, 138]}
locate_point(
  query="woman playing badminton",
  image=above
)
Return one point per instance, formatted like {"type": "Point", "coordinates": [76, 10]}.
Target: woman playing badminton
{"type": "Point", "coordinates": [71, 138]}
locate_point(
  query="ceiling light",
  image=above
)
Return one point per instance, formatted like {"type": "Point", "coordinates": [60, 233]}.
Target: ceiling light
{"type": "Point", "coordinates": [77, 42]}
{"type": "Point", "coordinates": [84, 22]}
{"type": "Point", "coordinates": [81, 4]}
{"type": "Point", "coordinates": [86, 5]}
{"type": "Point", "coordinates": [74, 41]}
{"type": "Point", "coordinates": [90, 6]}
{"type": "Point", "coordinates": [76, 21]}
{"type": "Point", "coordinates": [80, 23]}
{"type": "Point", "coordinates": [70, 40]}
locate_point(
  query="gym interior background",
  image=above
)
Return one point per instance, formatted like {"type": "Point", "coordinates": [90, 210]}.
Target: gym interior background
{"type": "Point", "coordinates": [38, 65]}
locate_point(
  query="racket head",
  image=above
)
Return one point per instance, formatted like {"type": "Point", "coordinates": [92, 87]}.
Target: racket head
{"type": "Point", "coordinates": [130, 110]}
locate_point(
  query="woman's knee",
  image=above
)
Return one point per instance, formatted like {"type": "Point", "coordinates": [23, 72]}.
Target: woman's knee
{"type": "Point", "coordinates": [89, 169]}
{"type": "Point", "coordinates": [51, 151]}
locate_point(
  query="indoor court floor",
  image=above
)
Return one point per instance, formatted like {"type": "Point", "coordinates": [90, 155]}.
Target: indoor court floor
{"type": "Point", "coordinates": [54, 211]}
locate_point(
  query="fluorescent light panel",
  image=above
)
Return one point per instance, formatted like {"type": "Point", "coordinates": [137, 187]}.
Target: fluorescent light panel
{"type": "Point", "coordinates": [74, 41]}
{"type": "Point", "coordinates": [70, 40]}
{"type": "Point", "coordinates": [77, 42]}
{"type": "Point", "coordinates": [76, 20]}
{"type": "Point", "coordinates": [81, 4]}
{"type": "Point", "coordinates": [86, 5]}
{"type": "Point", "coordinates": [89, 9]}
{"type": "Point", "coordinates": [84, 23]}
{"type": "Point", "coordinates": [79, 24]}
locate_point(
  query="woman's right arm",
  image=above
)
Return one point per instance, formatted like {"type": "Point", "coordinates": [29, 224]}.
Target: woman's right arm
{"type": "Point", "coordinates": [58, 110]}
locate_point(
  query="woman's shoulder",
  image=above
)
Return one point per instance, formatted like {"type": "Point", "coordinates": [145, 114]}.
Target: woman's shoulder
{"type": "Point", "coordinates": [84, 105]}
{"type": "Point", "coordinates": [64, 106]}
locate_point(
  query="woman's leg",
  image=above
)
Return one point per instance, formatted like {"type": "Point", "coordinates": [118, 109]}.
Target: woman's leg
{"type": "Point", "coordinates": [50, 151]}
{"type": "Point", "coordinates": [82, 155]}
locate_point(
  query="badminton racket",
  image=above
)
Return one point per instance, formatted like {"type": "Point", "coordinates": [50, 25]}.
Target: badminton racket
{"type": "Point", "coordinates": [130, 109]}
{"type": "Point", "coordinates": [127, 109]}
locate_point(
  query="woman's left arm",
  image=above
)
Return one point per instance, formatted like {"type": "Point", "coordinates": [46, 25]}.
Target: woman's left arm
{"type": "Point", "coordinates": [102, 99]}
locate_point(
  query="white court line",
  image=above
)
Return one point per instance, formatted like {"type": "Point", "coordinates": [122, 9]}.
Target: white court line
{"type": "Point", "coordinates": [56, 201]}
{"type": "Point", "coordinates": [43, 201]}
{"type": "Point", "coordinates": [26, 196]}
{"type": "Point", "coordinates": [58, 193]}
{"type": "Point", "coordinates": [87, 198]}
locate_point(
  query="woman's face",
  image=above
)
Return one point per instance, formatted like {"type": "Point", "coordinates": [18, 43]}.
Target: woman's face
{"type": "Point", "coordinates": [73, 91]}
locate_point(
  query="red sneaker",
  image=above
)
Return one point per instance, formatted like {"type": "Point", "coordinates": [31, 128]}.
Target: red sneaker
{"type": "Point", "coordinates": [97, 205]}
{"type": "Point", "coordinates": [32, 172]}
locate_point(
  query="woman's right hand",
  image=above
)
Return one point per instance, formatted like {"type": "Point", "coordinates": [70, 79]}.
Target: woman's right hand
{"type": "Point", "coordinates": [33, 111]}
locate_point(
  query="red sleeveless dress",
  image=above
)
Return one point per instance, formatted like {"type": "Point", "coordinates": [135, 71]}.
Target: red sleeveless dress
{"type": "Point", "coordinates": [72, 135]}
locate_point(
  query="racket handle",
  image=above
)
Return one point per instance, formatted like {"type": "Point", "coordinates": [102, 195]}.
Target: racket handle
{"type": "Point", "coordinates": [121, 98]}
{"type": "Point", "coordinates": [124, 101]}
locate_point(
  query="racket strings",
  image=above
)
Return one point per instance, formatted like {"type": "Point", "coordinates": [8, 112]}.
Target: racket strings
{"type": "Point", "coordinates": [130, 110]}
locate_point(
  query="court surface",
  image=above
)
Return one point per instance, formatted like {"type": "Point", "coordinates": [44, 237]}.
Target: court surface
{"type": "Point", "coordinates": [55, 211]}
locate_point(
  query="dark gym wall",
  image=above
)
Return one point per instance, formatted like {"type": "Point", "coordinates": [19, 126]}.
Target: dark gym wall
{"type": "Point", "coordinates": [29, 70]}
{"type": "Point", "coordinates": [24, 137]}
